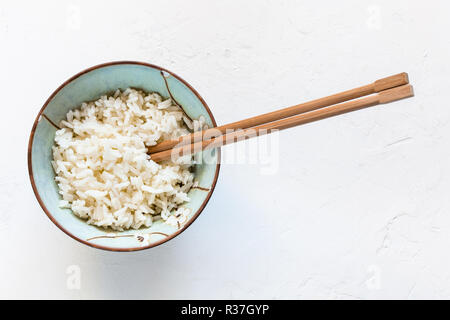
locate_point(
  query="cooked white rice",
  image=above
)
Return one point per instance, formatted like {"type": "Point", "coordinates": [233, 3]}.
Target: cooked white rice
{"type": "Point", "coordinates": [103, 171]}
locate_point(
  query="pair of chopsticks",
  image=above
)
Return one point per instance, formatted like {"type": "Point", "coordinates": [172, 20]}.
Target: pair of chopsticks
{"type": "Point", "coordinates": [379, 92]}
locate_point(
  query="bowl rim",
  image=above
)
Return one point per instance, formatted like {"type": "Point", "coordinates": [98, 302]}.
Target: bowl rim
{"type": "Point", "coordinates": [30, 168]}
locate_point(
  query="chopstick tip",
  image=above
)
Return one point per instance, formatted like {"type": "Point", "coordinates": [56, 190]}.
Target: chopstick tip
{"type": "Point", "coordinates": [401, 92]}
{"type": "Point", "coordinates": [405, 77]}
{"type": "Point", "coordinates": [391, 82]}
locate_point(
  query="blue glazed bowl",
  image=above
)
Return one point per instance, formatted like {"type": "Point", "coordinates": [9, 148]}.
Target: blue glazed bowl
{"type": "Point", "coordinates": [89, 85]}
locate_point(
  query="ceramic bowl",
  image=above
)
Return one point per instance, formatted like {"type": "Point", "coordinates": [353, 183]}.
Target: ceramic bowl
{"type": "Point", "coordinates": [89, 85]}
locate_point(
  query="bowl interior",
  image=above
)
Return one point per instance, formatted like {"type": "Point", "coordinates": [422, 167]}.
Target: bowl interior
{"type": "Point", "coordinates": [90, 85]}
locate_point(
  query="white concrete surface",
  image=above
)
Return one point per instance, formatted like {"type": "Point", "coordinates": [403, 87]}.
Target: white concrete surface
{"type": "Point", "coordinates": [359, 207]}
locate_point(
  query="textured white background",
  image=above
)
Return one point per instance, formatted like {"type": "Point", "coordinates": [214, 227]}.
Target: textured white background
{"type": "Point", "coordinates": [359, 207]}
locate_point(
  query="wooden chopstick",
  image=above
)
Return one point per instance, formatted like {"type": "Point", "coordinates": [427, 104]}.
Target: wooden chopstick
{"type": "Point", "coordinates": [377, 86]}
{"type": "Point", "coordinates": [381, 97]}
